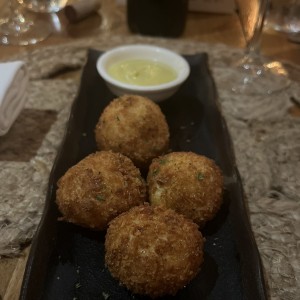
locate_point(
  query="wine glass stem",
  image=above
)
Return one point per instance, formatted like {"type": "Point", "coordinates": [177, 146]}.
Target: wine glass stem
{"type": "Point", "coordinates": [253, 45]}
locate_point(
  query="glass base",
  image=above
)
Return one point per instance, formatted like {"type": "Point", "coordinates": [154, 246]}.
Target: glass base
{"type": "Point", "coordinates": [45, 6]}
{"type": "Point", "coordinates": [28, 33]}
{"type": "Point", "coordinates": [252, 76]}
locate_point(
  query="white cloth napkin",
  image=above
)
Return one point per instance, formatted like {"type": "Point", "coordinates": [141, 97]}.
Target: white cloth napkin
{"type": "Point", "coordinates": [13, 83]}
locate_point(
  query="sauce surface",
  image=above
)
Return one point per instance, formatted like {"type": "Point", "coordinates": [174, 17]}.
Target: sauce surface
{"type": "Point", "coordinates": [142, 72]}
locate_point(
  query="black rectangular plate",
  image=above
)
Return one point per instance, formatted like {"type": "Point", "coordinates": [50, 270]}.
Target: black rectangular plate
{"type": "Point", "coordinates": [67, 262]}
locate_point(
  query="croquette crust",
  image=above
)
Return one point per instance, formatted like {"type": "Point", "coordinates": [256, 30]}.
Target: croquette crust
{"type": "Point", "coordinates": [98, 188]}
{"type": "Point", "coordinates": [153, 250]}
{"type": "Point", "coordinates": [134, 126]}
{"type": "Point", "coordinates": [187, 182]}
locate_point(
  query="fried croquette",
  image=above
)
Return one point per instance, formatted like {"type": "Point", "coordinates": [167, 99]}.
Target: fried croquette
{"type": "Point", "coordinates": [189, 183]}
{"type": "Point", "coordinates": [153, 250]}
{"type": "Point", "coordinates": [98, 188]}
{"type": "Point", "coordinates": [134, 126]}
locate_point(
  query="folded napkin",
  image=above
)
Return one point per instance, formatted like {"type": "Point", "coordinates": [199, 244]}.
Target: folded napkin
{"type": "Point", "coordinates": [13, 84]}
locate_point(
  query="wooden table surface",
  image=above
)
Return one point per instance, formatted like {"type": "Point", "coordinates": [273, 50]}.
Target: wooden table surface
{"type": "Point", "coordinates": [211, 28]}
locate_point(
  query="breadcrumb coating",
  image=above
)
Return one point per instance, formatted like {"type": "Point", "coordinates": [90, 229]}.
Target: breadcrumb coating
{"type": "Point", "coordinates": [187, 182]}
{"type": "Point", "coordinates": [98, 188]}
{"type": "Point", "coordinates": [134, 126]}
{"type": "Point", "coordinates": [153, 250]}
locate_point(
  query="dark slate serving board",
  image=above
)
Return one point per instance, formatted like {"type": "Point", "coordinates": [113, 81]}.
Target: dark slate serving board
{"type": "Point", "coordinates": [67, 262]}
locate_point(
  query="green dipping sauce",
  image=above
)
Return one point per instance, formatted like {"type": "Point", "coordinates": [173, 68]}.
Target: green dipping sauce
{"type": "Point", "coordinates": [142, 72]}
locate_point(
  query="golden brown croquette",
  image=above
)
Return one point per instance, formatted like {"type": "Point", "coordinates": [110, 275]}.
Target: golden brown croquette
{"type": "Point", "coordinates": [153, 250]}
{"type": "Point", "coordinates": [98, 188]}
{"type": "Point", "coordinates": [189, 183]}
{"type": "Point", "coordinates": [134, 126]}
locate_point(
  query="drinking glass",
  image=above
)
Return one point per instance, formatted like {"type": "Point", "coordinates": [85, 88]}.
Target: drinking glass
{"type": "Point", "coordinates": [253, 73]}
{"type": "Point", "coordinates": [284, 16]}
{"type": "Point", "coordinates": [19, 30]}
